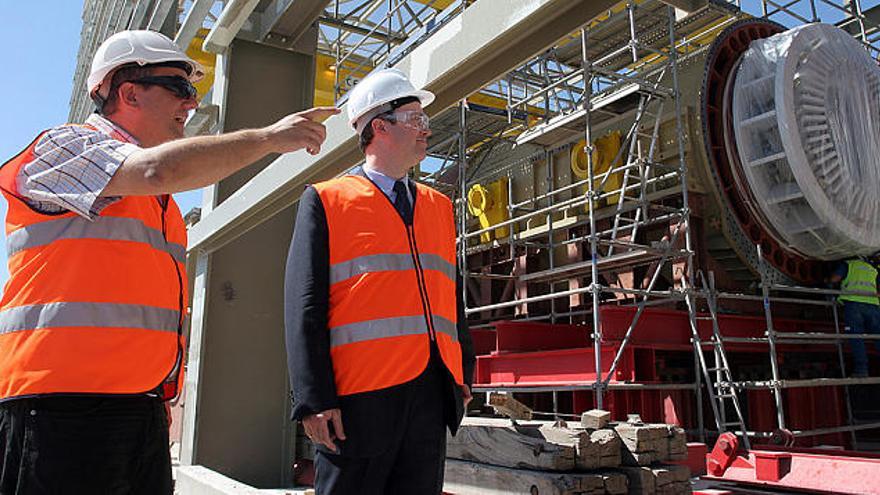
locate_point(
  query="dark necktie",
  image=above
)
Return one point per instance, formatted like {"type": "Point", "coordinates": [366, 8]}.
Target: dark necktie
{"type": "Point", "coordinates": [401, 202]}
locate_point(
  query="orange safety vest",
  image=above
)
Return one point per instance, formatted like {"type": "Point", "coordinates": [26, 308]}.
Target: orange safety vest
{"type": "Point", "coordinates": [392, 286]}
{"type": "Point", "coordinates": [91, 307]}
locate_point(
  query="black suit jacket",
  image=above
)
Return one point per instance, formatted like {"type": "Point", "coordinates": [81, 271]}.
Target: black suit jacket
{"type": "Point", "coordinates": [370, 417]}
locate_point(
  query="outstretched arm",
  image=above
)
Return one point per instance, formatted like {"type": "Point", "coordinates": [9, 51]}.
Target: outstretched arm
{"type": "Point", "coordinates": [195, 162]}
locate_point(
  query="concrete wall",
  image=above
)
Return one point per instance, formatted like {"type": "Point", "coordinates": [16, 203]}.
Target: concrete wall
{"type": "Point", "coordinates": [241, 408]}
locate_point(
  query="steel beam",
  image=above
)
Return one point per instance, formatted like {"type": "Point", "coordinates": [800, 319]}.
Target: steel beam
{"type": "Point", "coordinates": [558, 367]}
{"type": "Point", "coordinates": [813, 470]}
{"type": "Point", "coordinates": [230, 21]}
{"type": "Point", "coordinates": [377, 34]}
{"type": "Point", "coordinates": [193, 21]}
{"type": "Point", "coordinates": [139, 17]}
{"type": "Point", "coordinates": [291, 18]}
{"type": "Point", "coordinates": [488, 40]}
{"type": "Point", "coordinates": [160, 13]}
{"type": "Point", "coordinates": [687, 5]}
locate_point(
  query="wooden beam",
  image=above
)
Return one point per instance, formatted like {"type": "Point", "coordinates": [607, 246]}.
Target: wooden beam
{"type": "Point", "coordinates": [644, 444]}
{"type": "Point", "coordinates": [508, 444]}
{"type": "Point", "coordinates": [506, 405]}
{"type": "Point", "coordinates": [471, 478]}
{"type": "Point", "coordinates": [534, 445]}
{"type": "Point", "coordinates": [671, 480]}
{"type": "Point", "coordinates": [595, 419]}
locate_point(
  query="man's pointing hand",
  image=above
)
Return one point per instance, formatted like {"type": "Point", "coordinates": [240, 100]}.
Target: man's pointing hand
{"type": "Point", "coordinates": [301, 130]}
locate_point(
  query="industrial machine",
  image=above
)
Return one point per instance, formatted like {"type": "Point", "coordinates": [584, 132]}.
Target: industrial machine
{"type": "Point", "coordinates": [780, 148]}
{"type": "Point", "coordinates": [700, 183]}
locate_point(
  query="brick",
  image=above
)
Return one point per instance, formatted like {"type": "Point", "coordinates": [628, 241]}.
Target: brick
{"type": "Point", "coordinates": [595, 419]}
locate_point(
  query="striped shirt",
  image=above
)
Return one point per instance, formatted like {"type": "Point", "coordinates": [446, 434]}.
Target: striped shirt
{"type": "Point", "coordinates": [72, 165]}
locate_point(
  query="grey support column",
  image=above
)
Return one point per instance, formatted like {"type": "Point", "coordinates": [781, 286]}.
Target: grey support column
{"type": "Point", "coordinates": [236, 419]}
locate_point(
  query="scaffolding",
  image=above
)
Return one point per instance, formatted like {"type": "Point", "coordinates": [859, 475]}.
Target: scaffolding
{"type": "Point", "coordinates": [625, 61]}
{"type": "Point", "coordinates": [621, 69]}
{"type": "Point", "coordinates": [364, 35]}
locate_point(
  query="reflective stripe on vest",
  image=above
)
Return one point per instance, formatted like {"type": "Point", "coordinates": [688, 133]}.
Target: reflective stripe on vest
{"type": "Point", "coordinates": [388, 262]}
{"type": "Point", "coordinates": [392, 288]}
{"type": "Point", "coordinates": [860, 277]}
{"type": "Point", "coordinates": [80, 314]}
{"type": "Point", "coordinates": [91, 307]}
{"type": "Point", "coordinates": [389, 327]}
{"type": "Point", "coordinates": [106, 228]}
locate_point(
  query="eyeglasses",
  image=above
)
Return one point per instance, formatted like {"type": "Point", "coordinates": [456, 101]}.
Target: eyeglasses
{"type": "Point", "coordinates": [180, 86]}
{"type": "Point", "coordinates": [414, 119]}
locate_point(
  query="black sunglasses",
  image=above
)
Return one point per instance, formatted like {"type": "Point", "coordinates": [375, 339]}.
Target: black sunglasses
{"type": "Point", "coordinates": [180, 86]}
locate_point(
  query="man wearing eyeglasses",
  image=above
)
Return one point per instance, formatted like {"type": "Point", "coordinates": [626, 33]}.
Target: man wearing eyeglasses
{"type": "Point", "coordinates": [379, 355]}
{"type": "Point", "coordinates": [91, 343]}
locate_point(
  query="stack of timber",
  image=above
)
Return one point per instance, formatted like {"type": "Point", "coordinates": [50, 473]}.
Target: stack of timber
{"type": "Point", "coordinates": [645, 448]}
{"type": "Point", "coordinates": [595, 457]}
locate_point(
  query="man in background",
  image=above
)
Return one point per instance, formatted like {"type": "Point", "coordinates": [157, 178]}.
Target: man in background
{"type": "Point", "coordinates": [861, 307]}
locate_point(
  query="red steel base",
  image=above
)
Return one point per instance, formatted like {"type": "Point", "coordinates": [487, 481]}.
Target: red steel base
{"type": "Point", "coordinates": [522, 354]}
{"type": "Point", "coordinates": [813, 470]}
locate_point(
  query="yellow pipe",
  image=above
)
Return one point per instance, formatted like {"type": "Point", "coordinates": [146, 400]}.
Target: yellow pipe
{"type": "Point", "coordinates": [489, 204]}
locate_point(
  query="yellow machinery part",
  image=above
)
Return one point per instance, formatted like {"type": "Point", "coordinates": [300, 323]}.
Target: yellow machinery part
{"type": "Point", "coordinates": [438, 4]}
{"type": "Point", "coordinates": [325, 78]}
{"type": "Point", "coordinates": [605, 149]}
{"type": "Point", "coordinates": [208, 61]}
{"type": "Point", "coordinates": [489, 204]}
{"type": "Point", "coordinates": [441, 4]}
{"type": "Point", "coordinates": [615, 9]}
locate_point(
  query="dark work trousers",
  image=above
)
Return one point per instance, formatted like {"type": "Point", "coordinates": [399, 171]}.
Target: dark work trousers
{"type": "Point", "coordinates": [89, 445]}
{"type": "Point", "coordinates": [861, 318]}
{"type": "Point", "coordinates": [413, 464]}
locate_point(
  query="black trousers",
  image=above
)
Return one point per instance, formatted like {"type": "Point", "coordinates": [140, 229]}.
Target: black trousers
{"type": "Point", "coordinates": [414, 460]}
{"type": "Point", "coordinates": [88, 445]}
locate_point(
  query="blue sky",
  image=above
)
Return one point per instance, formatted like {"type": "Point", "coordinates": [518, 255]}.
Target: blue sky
{"type": "Point", "coordinates": [38, 48]}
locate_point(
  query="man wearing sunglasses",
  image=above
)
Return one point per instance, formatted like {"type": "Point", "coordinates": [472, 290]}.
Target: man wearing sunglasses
{"type": "Point", "coordinates": [91, 346]}
{"type": "Point", "coordinates": [379, 355]}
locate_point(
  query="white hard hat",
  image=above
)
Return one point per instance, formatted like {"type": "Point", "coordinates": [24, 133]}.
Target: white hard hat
{"type": "Point", "coordinates": [374, 93]}
{"type": "Point", "coordinates": [139, 47]}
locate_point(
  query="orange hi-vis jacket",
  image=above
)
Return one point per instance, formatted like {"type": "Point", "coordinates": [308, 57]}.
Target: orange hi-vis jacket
{"type": "Point", "coordinates": [91, 307]}
{"type": "Point", "coordinates": [392, 286]}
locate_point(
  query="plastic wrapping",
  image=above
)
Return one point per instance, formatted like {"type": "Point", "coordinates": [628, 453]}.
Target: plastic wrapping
{"type": "Point", "coordinates": [806, 118]}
